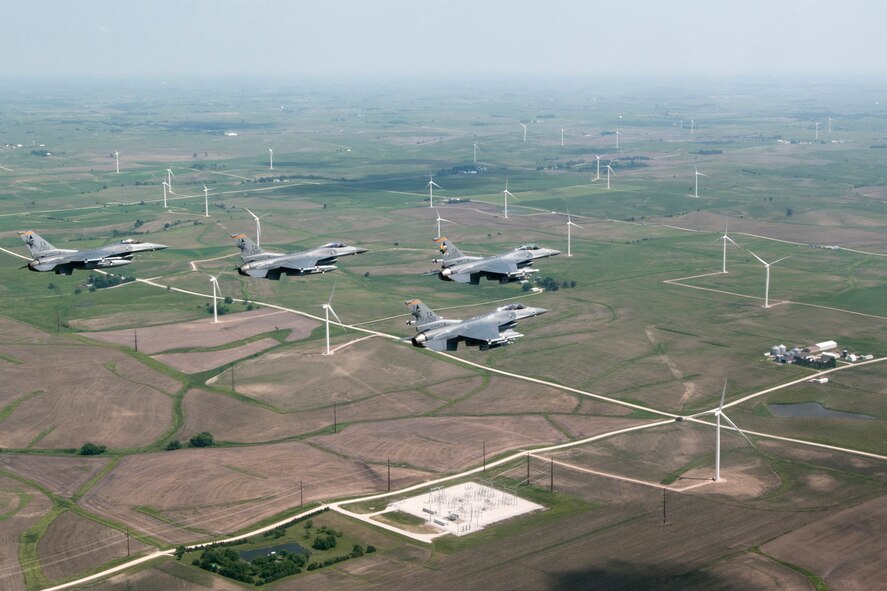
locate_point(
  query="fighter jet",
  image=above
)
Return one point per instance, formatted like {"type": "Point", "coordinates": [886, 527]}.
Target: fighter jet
{"type": "Point", "coordinates": [271, 265]}
{"type": "Point", "coordinates": [64, 261]}
{"type": "Point", "coordinates": [486, 331]}
{"type": "Point", "coordinates": [507, 267]}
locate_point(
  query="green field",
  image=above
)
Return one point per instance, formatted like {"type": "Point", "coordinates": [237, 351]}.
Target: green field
{"type": "Point", "coordinates": [642, 314]}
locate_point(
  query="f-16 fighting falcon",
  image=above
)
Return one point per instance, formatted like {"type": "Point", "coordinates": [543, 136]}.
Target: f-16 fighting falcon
{"type": "Point", "coordinates": [507, 267]}
{"type": "Point", "coordinates": [63, 261]}
{"type": "Point", "coordinates": [271, 265]}
{"type": "Point", "coordinates": [486, 331]}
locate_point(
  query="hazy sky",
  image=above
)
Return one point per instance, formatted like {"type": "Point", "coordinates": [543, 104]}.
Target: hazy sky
{"type": "Point", "coordinates": [277, 38]}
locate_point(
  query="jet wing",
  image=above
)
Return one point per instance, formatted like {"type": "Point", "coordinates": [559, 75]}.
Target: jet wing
{"type": "Point", "coordinates": [296, 263]}
{"type": "Point", "coordinates": [485, 331]}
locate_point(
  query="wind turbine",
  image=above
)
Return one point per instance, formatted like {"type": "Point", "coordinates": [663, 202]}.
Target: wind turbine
{"type": "Point", "coordinates": [598, 176]}
{"type": "Point", "coordinates": [569, 235]}
{"type": "Point", "coordinates": [475, 153]}
{"type": "Point", "coordinates": [169, 177]}
{"type": "Point", "coordinates": [258, 226]}
{"type": "Point", "coordinates": [562, 137]}
{"type": "Point", "coordinates": [439, 220]}
{"type": "Point", "coordinates": [618, 133]}
{"type": "Point", "coordinates": [431, 185]}
{"type": "Point", "coordinates": [270, 158]}
{"type": "Point", "coordinates": [165, 185]}
{"type": "Point", "coordinates": [692, 126]}
{"type": "Point", "coordinates": [609, 170]}
{"type": "Point", "coordinates": [506, 193]}
{"type": "Point", "coordinates": [829, 125]}
{"type": "Point", "coordinates": [117, 160]}
{"type": "Point", "coordinates": [328, 308]}
{"type": "Point", "coordinates": [718, 413]}
{"type": "Point", "coordinates": [817, 130]}
{"type": "Point", "coordinates": [696, 176]}
{"type": "Point", "coordinates": [524, 125]}
{"type": "Point", "coordinates": [767, 280]}
{"type": "Point", "coordinates": [726, 238]}
{"type": "Point", "coordinates": [205, 202]}
{"type": "Point", "coordinates": [216, 294]}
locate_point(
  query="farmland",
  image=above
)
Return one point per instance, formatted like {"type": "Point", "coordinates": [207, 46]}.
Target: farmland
{"type": "Point", "coordinates": [642, 328]}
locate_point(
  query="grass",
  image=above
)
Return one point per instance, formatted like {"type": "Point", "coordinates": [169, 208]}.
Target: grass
{"type": "Point", "coordinates": [816, 581]}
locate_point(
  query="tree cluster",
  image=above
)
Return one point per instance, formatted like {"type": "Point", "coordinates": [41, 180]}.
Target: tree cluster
{"type": "Point", "coordinates": [202, 439]}
{"type": "Point", "coordinates": [92, 449]}
{"type": "Point", "coordinates": [96, 281]}
{"type": "Point", "coordinates": [816, 363]}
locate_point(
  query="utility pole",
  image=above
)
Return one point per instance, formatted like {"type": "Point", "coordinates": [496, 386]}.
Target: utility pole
{"type": "Point", "coordinates": [335, 422]}
{"type": "Point", "coordinates": [664, 493]}
{"type": "Point", "coordinates": [528, 468]}
{"type": "Point", "coordinates": [301, 498]}
{"type": "Point", "coordinates": [485, 456]}
{"type": "Point", "coordinates": [58, 321]}
{"type": "Point", "coordinates": [551, 486]}
{"type": "Point", "coordinates": [232, 378]}
{"type": "Point", "coordinates": [127, 542]}
{"type": "Point", "coordinates": [389, 474]}
{"type": "Point", "coordinates": [135, 339]}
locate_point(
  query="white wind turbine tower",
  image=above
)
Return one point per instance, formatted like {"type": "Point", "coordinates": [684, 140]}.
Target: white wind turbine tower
{"type": "Point", "coordinates": [524, 125]}
{"type": "Point", "coordinates": [696, 176]}
{"type": "Point", "coordinates": [718, 413]}
{"type": "Point", "coordinates": [165, 185]}
{"type": "Point", "coordinates": [506, 193]}
{"type": "Point", "coordinates": [328, 309]}
{"type": "Point", "coordinates": [258, 226]}
{"type": "Point", "coordinates": [618, 133]}
{"type": "Point", "coordinates": [609, 170]}
{"type": "Point", "coordinates": [216, 294]}
{"type": "Point", "coordinates": [767, 280]}
{"type": "Point", "coordinates": [562, 137]}
{"type": "Point", "coordinates": [169, 177]}
{"type": "Point", "coordinates": [817, 130]}
{"type": "Point", "coordinates": [726, 238]}
{"type": "Point", "coordinates": [431, 185]}
{"type": "Point", "coordinates": [692, 126]}
{"type": "Point", "coordinates": [569, 235]}
{"type": "Point", "coordinates": [829, 125]}
{"type": "Point", "coordinates": [117, 160]}
{"type": "Point", "coordinates": [475, 153]}
{"type": "Point", "coordinates": [270, 158]}
{"type": "Point", "coordinates": [439, 220]}
{"type": "Point", "coordinates": [205, 202]}
{"type": "Point", "coordinates": [598, 175]}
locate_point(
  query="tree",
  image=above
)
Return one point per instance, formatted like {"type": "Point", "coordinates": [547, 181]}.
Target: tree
{"type": "Point", "coordinates": [91, 449]}
{"type": "Point", "coordinates": [789, 212]}
{"type": "Point", "coordinates": [202, 439]}
{"type": "Point", "coordinates": [173, 445]}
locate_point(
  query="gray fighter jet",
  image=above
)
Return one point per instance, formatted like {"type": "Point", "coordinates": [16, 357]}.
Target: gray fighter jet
{"type": "Point", "coordinates": [271, 265]}
{"type": "Point", "coordinates": [486, 331]}
{"type": "Point", "coordinates": [64, 261]}
{"type": "Point", "coordinates": [507, 267]}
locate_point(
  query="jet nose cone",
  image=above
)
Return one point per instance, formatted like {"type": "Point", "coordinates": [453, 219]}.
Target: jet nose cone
{"type": "Point", "coordinates": [153, 246]}
{"type": "Point", "coordinates": [532, 311]}
{"type": "Point", "coordinates": [360, 250]}
{"type": "Point", "coordinates": [550, 252]}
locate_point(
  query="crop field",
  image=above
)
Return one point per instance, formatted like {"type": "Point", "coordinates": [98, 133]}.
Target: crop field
{"type": "Point", "coordinates": [642, 326]}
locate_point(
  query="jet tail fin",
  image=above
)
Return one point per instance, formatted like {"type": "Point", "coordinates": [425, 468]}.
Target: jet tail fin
{"type": "Point", "coordinates": [423, 314]}
{"type": "Point", "coordinates": [37, 245]}
{"type": "Point", "coordinates": [248, 248]}
{"type": "Point", "coordinates": [448, 249]}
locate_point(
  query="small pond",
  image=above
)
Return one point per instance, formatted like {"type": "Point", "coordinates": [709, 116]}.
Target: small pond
{"type": "Point", "coordinates": [811, 410]}
{"type": "Point", "coordinates": [292, 548]}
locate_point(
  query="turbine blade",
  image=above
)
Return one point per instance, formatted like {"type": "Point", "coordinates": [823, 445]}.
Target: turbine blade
{"type": "Point", "coordinates": [744, 436]}
{"type": "Point", "coordinates": [782, 259]}
{"type": "Point", "coordinates": [332, 291]}
{"type": "Point", "coordinates": [757, 257]}
{"type": "Point", "coordinates": [723, 394]}
{"type": "Point", "coordinates": [255, 217]}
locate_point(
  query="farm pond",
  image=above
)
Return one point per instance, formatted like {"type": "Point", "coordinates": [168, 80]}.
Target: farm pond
{"type": "Point", "coordinates": [812, 410]}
